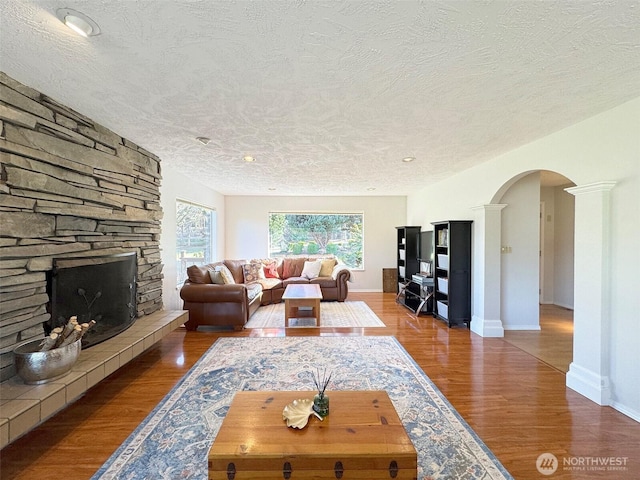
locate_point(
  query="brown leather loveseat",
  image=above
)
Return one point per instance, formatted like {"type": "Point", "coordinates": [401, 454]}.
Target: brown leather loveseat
{"type": "Point", "coordinates": [232, 301]}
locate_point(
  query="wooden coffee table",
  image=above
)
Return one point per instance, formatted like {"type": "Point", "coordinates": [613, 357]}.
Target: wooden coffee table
{"type": "Point", "coordinates": [362, 438]}
{"type": "Point", "coordinates": [302, 295]}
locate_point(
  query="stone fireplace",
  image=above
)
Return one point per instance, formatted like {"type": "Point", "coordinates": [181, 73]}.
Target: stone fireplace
{"type": "Point", "coordinates": [71, 191]}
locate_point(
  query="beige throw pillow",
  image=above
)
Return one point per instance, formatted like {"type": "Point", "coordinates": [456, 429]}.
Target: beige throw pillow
{"type": "Point", "coordinates": [226, 274]}
{"type": "Point", "coordinates": [327, 267]}
{"type": "Point", "coordinates": [216, 277]}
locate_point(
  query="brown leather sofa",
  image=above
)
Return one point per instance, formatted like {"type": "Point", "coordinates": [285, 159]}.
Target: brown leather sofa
{"type": "Point", "coordinates": [232, 304]}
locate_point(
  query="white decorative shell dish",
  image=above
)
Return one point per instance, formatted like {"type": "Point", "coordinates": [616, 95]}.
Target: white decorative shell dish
{"type": "Point", "coordinates": [296, 414]}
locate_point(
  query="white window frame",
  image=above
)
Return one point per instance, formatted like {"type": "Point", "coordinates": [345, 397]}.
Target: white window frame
{"type": "Point", "coordinates": [341, 253]}
{"type": "Point", "coordinates": [183, 259]}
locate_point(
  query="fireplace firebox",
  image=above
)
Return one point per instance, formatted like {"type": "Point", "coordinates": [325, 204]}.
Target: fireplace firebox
{"type": "Point", "coordinates": [95, 288]}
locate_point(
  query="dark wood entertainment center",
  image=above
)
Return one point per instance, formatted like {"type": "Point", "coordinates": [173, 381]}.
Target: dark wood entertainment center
{"type": "Point", "coordinates": [445, 289]}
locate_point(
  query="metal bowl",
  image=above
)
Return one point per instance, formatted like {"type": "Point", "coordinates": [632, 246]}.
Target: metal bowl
{"type": "Point", "coordinates": [36, 367]}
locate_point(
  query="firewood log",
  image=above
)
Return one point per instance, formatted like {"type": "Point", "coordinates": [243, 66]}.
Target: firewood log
{"type": "Point", "coordinates": [58, 331]}
{"type": "Point", "coordinates": [68, 328]}
{"type": "Point", "coordinates": [74, 336]}
{"type": "Point", "coordinates": [87, 326]}
{"type": "Point", "coordinates": [49, 342]}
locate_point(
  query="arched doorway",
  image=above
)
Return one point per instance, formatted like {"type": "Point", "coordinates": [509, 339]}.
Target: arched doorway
{"type": "Point", "coordinates": [537, 238]}
{"type": "Point", "coordinates": [589, 372]}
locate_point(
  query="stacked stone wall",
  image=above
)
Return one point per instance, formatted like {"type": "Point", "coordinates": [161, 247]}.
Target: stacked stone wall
{"type": "Point", "coordinates": [68, 188]}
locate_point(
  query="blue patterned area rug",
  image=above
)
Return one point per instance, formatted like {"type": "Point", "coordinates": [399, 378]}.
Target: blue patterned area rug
{"type": "Point", "coordinates": [174, 440]}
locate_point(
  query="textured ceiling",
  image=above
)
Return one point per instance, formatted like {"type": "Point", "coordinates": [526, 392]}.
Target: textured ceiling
{"type": "Point", "coordinates": [329, 96]}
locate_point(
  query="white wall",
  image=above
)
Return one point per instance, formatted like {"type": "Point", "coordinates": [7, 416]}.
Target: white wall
{"type": "Point", "coordinates": [520, 263]}
{"type": "Point", "coordinates": [558, 225]}
{"type": "Point", "coordinates": [247, 224]}
{"type": "Point", "coordinates": [176, 186]}
{"type": "Point", "coordinates": [604, 147]}
{"type": "Point", "coordinates": [563, 248]}
{"type": "Point", "coordinates": [547, 233]}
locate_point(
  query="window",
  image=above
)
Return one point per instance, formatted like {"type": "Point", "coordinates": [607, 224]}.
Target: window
{"type": "Point", "coordinates": [340, 234]}
{"type": "Point", "coordinates": [195, 236]}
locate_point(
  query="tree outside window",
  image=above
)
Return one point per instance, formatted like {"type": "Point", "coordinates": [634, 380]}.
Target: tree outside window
{"type": "Point", "coordinates": [340, 234]}
{"type": "Point", "coordinates": [195, 236]}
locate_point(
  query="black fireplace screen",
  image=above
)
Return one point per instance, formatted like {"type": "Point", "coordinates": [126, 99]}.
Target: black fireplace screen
{"type": "Point", "coordinates": [96, 288]}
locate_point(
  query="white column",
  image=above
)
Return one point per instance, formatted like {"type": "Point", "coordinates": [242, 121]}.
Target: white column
{"type": "Point", "coordinates": [487, 230]}
{"type": "Point", "coordinates": [589, 372]}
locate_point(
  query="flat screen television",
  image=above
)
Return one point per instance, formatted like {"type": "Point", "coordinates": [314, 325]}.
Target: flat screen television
{"type": "Point", "coordinates": [426, 252]}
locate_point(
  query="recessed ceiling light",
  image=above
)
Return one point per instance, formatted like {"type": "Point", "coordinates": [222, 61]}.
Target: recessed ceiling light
{"type": "Point", "coordinates": [78, 22]}
{"type": "Point", "coordinates": [272, 189]}
{"type": "Point", "coordinates": [248, 158]}
{"type": "Point", "coordinates": [371, 189]}
{"type": "Point", "coordinates": [408, 159]}
{"type": "Point", "coordinates": [203, 140]}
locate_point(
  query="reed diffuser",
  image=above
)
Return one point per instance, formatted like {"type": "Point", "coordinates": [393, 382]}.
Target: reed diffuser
{"type": "Point", "coordinates": [321, 400]}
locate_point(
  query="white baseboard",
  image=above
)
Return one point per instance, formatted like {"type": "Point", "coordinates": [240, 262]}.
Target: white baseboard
{"type": "Point", "coordinates": [568, 307]}
{"type": "Point", "coordinates": [632, 414]}
{"type": "Point", "coordinates": [522, 327]}
{"type": "Point", "coordinates": [486, 328]}
{"type": "Point", "coordinates": [593, 386]}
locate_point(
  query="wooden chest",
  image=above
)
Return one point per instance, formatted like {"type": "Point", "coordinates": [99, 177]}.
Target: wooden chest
{"type": "Point", "coordinates": [361, 438]}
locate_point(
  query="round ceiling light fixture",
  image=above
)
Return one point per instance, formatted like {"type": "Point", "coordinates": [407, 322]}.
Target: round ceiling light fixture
{"type": "Point", "coordinates": [408, 159]}
{"type": "Point", "coordinates": [248, 158]}
{"type": "Point", "coordinates": [78, 22]}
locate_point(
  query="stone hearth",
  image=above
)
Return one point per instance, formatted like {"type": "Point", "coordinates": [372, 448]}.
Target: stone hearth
{"type": "Point", "coordinates": [24, 407]}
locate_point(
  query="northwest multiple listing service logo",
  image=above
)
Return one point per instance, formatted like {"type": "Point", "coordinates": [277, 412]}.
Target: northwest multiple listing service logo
{"type": "Point", "coordinates": [548, 463]}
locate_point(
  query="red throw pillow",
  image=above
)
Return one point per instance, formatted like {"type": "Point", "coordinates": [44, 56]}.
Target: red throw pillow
{"type": "Point", "coordinates": [271, 270]}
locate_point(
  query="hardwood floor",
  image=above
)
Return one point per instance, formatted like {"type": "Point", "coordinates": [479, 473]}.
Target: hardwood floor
{"type": "Point", "coordinates": [517, 404]}
{"type": "Point", "coordinates": [553, 343]}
